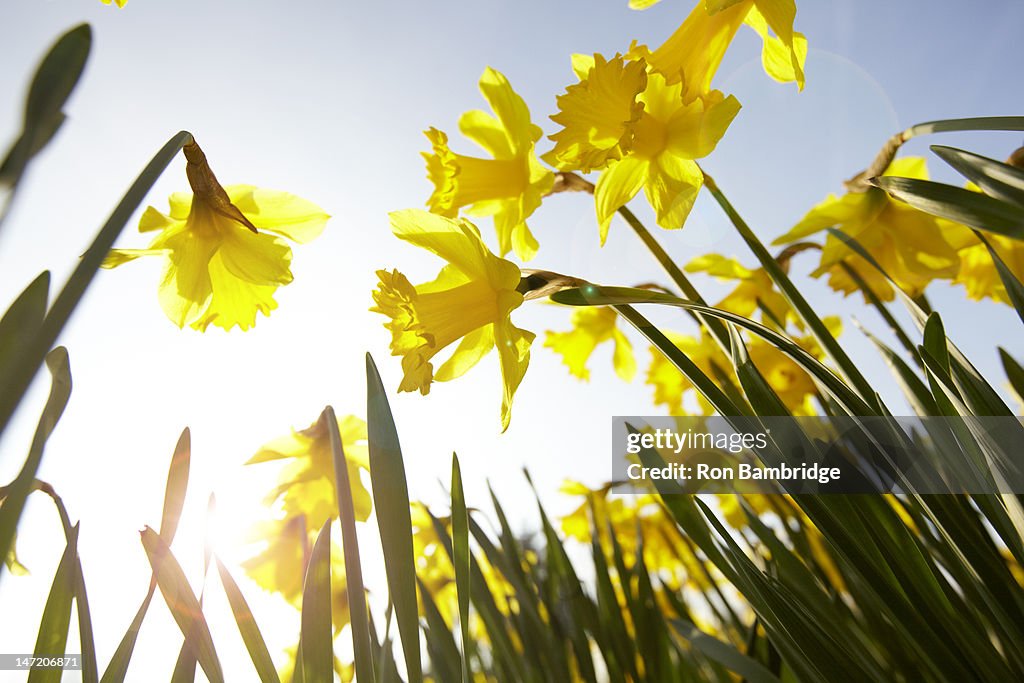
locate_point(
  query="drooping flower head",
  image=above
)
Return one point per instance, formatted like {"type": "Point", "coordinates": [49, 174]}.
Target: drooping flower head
{"type": "Point", "coordinates": [224, 256]}
{"type": "Point", "coordinates": [655, 152]}
{"type": "Point", "coordinates": [694, 52]}
{"type": "Point", "coordinates": [508, 186]}
{"type": "Point", "coordinates": [913, 247]}
{"type": "Point", "coordinates": [470, 300]}
{"type": "Point", "coordinates": [591, 327]}
{"type": "Point", "coordinates": [306, 485]}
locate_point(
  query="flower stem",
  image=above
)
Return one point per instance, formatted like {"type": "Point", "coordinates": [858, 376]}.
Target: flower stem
{"type": "Point", "coordinates": [845, 364]}
{"type": "Point", "coordinates": [15, 382]}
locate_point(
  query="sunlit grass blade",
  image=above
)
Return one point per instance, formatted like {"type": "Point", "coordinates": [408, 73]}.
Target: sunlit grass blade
{"type": "Point", "coordinates": [724, 653]}
{"type": "Point", "coordinates": [995, 178]}
{"type": "Point", "coordinates": [52, 84]}
{"type": "Point", "coordinates": [1014, 372]}
{"type": "Point", "coordinates": [250, 632]}
{"type": "Point", "coordinates": [391, 498]}
{"type": "Point", "coordinates": [14, 503]}
{"type": "Point", "coordinates": [16, 382]}
{"type": "Point", "coordinates": [53, 627]}
{"type": "Point", "coordinates": [460, 550]}
{"type": "Point", "coordinates": [350, 544]}
{"type": "Point", "coordinates": [117, 667]}
{"type": "Point", "coordinates": [317, 639]}
{"type": "Point", "coordinates": [445, 659]}
{"type": "Point", "coordinates": [21, 322]}
{"type": "Point", "coordinates": [957, 204]}
{"type": "Point", "coordinates": [182, 601]}
{"type": "Point", "coordinates": [957, 125]}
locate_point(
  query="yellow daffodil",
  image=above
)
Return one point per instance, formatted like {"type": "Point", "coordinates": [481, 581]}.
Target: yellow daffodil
{"type": "Point", "coordinates": [755, 289]}
{"type": "Point", "coordinates": [694, 52]}
{"type": "Point", "coordinates": [306, 483]}
{"type": "Point", "coordinates": [510, 186]}
{"type": "Point", "coordinates": [119, 3]}
{"type": "Point", "coordinates": [978, 272]}
{"type": "Point", "coordinates": [598, 114]}
{"type": "Point", "coordinates": [471, 299]}
{"type": "Point", "coordinates": [662, 143]}
{"type": "Point", "coordinates": [592, 326]}
{"type": "Point", "coordinates": [913, 247]}
{"type": "Point", "coordinates": [224, 258]}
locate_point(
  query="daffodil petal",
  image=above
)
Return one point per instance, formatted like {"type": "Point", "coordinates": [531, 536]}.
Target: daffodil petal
{"type": "Point", "coordinates": [473, 347]}
{"type": "Point", "coordinates": [524, 244]}
{"type": "Point", "coordinates": [622, 358]}
{"type": "Point", "coordinates": [696, 129]}
{"type": "Point", "coordinates": [486, 131]}
{"type": "Point", "coordinates": [186, 289]}
{"type": "Point", "coordinates": [513, 346]}
{"type": "Point", "coordinates": [510, 108]}
{"type": "Point", "coordinates": [456, 241]}
{"type": "Point", "coordinates": [719, 266]}
{"type": "Point", "coordinates": [671, 188]}
{"type": "Point", "coordinates": [154, 220]}
{"type": "Point", "coordinates": [280, 213]}
{"type": "Point", "coordinates": [260, 259]}
{"type": "Point", "coordinates": [118, 257]}
{"type": "Point", "coordinates": [617, 185]}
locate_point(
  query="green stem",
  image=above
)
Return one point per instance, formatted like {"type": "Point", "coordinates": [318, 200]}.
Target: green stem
{"type": "Point", "coordinates": [14, 384]}
{"type": "Point", "coordinates": [886, 314]}
{"type": "Point", "coordinates": [845, 364]}
{"type": "Point", "coordinates": [715, 327]}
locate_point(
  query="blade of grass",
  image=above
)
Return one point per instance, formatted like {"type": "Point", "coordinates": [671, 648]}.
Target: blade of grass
{"type": "Point", "coordinates": [53, 627]}
{"type": "Point", "coordinates": [18, 491]}
{"type": "Point", "coordinates": [350, 545]}
{"type": "Point", "coordinates": [22, 320]}
{"type": "Point", "coordinates": [317, 639]}
{"type": "Point", "coordinates": [994, 177]}
{"type": "Point", "coordinates": [460, 549]}
{"type": "Point", "coordinates": [725, 654]}
{"type": "Point", "coordinates": [391, 497]}
{"type": "Point", "coordinates": [247, 627]}
{"type": "Point", "coordinates": [182, 601]}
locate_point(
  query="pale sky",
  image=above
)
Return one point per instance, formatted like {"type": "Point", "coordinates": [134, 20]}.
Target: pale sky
{"type": "Point", "coordinates": [327, 100]}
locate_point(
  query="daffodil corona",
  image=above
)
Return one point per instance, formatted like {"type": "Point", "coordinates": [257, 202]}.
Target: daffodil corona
{"type": "Point", "coordinates": [224, 256]}
{"type": "Point", "coordinates": [470, 300]}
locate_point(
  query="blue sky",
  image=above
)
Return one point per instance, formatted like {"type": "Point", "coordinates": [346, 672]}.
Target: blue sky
{"type": "Point", "coordinates": [328, 100]}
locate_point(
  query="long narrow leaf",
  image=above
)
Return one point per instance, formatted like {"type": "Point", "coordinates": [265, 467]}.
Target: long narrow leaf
{"type": "Point", "coordinates": [460, 548]}
{"type": "Point", "coordinates": [250, 632]}
{"type": "Point", "coordinates": [391, 498]}
{"type": "Point", "coordinates": [53, 628]}
{"type": "Point", "coordinates": [317, 639]}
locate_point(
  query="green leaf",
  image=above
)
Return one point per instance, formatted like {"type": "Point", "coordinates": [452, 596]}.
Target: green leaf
{"type": "Point", "coordinates": [60, 391]}
{"type": "Point", "coordinates": [317, 639]}
{"type": "Point", "coordinates": [350, 544]}
{"type": "Point", "coordinates": [117, 667]}
{"type": "Point", "coordinates": [725, 654]}
{"type": "Point", "coordinates": [957, 204]}
{"type": "Point", "coordinates": [176, 487]}
{"type": "Point", "coordinates": [21, 322]}
{"type": "Point", "coordinates": [1014, 372]}
{"type": "Point", "coordinates": [182, 601]}
{"type": "Point", "coordinates": [1014, 287]}
{"type": "Point", "coordinates": [391, 498]}
{"type": "Point", "coordinates": [995, 178]}
{"type": "Point", "coordinates": [460, 549]}
{"type": "Point", "coordinates": [247, 627]}
{"type": "Point", "coordinates": [957, 125]}
{"type": "Point", "coordinates": [54, 80]}
{"type": "Point", "coordinates": [53, 628]}
{"type": "Point", "coordinates": [16, 383]}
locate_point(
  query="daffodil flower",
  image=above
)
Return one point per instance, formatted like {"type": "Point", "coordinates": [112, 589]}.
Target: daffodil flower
{"type": "Point", "coordinates": [662, 143]}
{"type": "Point", "coordinates": [913, 247]}
{"type": "Point", "coordinates": [509, 186]}
{"type": "Point", "coordinates": [119, 3]}
{"type": "Point", "coordinates": [306, 482]}
{"type": "Point", "coordinates": [671, 387]}
{"type": "Point", "coordinates": [694, 52]}
{"type": "Point", "coordinates": [470, 300]}
{"type": "Point", "coordinates": [224, 256]}
{"type": "Point", "coordinates": [591, 327]}
{"type": "Point", "coordinates": [978, 274]}
{"type": "Point", "coordinates": [755, 290]}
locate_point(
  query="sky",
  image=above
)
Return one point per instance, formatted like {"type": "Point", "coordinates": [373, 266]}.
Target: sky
{"type": "Point", "coordinates": [328, 100]}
